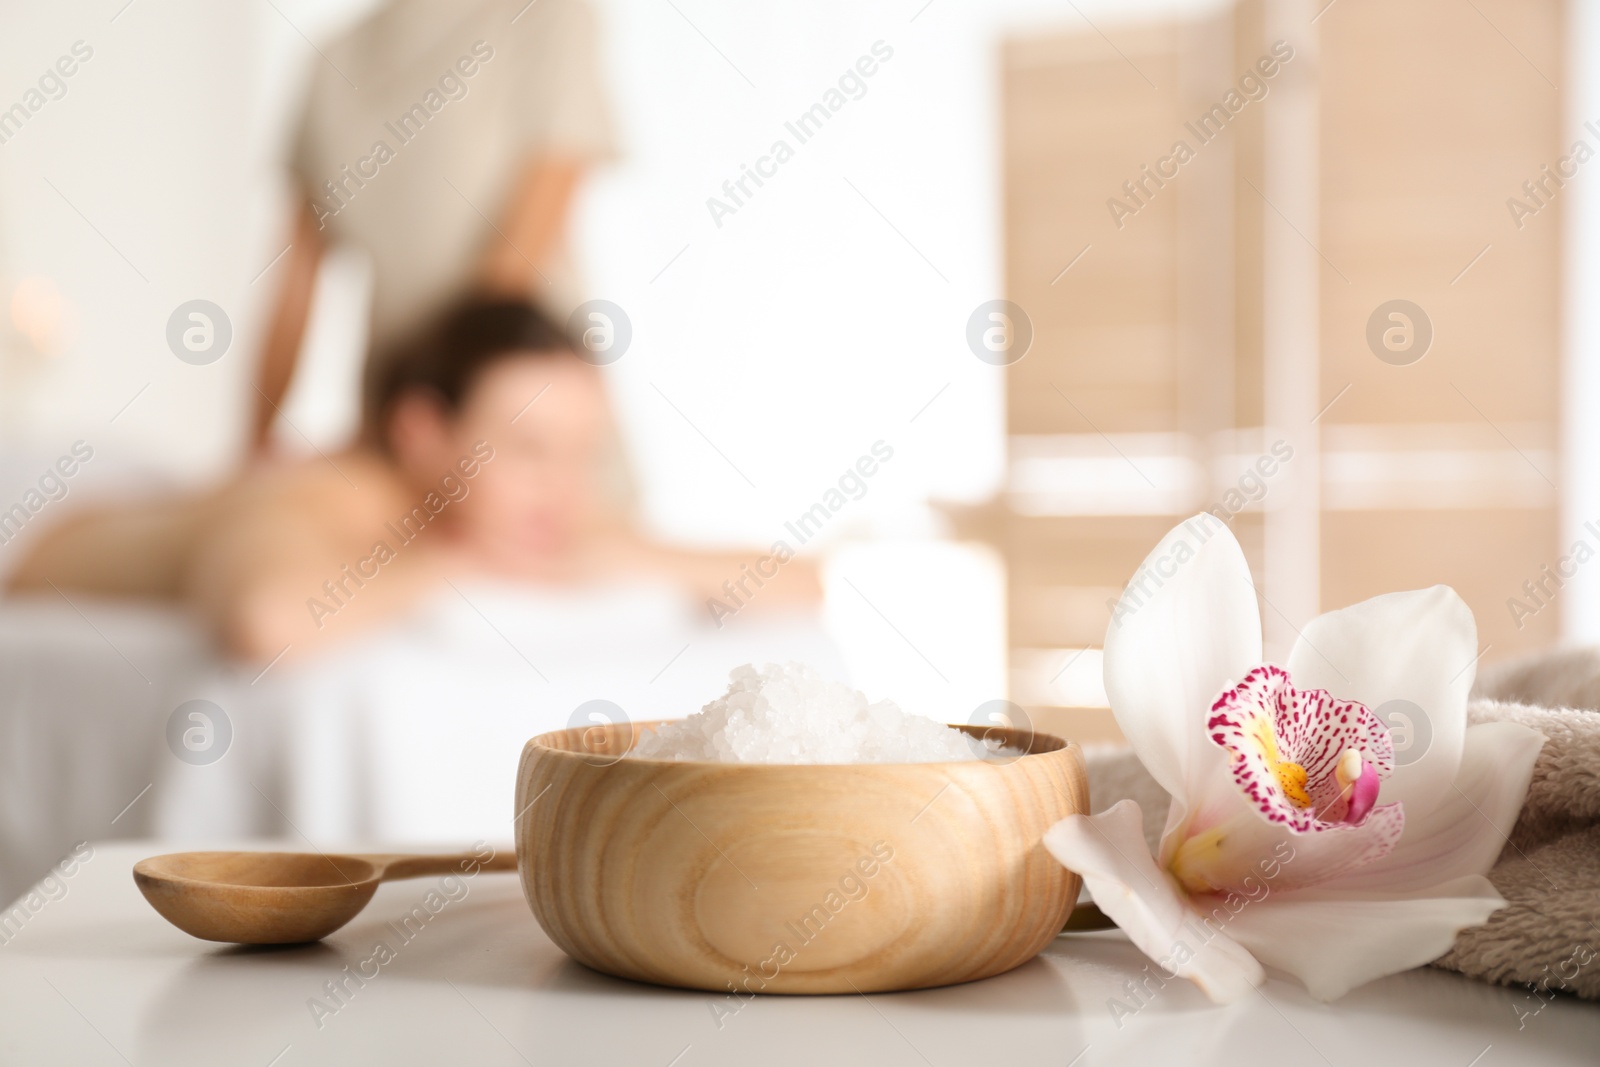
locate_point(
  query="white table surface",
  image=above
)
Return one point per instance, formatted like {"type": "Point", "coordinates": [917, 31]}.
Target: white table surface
{"type": "Point", "coordinates": [96, 977]}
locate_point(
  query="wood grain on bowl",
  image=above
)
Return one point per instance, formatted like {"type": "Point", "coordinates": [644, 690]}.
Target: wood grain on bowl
{"type": "Point", "coordinates": [829, 878]}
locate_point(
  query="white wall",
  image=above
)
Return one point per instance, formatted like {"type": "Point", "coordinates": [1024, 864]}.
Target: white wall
{"type": "Point", "coordinates": [805, 327]}
{"type": "Point", "coordinates": [149, 183]}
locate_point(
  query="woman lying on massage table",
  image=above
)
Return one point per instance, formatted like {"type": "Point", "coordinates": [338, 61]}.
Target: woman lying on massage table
{"type": "Point", "coordinates": [484, 454]}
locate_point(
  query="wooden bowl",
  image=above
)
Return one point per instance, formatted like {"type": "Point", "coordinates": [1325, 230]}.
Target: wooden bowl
{"type": "Point", "coordinates": [815, 878]}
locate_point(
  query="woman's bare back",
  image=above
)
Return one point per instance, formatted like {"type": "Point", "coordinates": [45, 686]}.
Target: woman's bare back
{"type": "Point", "coordinates": [247, 556]}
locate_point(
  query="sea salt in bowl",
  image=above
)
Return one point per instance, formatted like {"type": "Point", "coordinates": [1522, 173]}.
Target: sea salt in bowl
{"type": "Point", "coordinates": [794, 878]}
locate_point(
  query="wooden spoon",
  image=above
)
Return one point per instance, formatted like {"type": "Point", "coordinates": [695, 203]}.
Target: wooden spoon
{"type": "Point", "coordinates": [282, 898]}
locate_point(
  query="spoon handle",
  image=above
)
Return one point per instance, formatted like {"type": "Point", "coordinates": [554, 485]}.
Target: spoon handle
{"type": "Point", "coordinates": [392, 866]}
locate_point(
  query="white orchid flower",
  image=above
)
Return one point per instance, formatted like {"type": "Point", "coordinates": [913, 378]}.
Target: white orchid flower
{"type": "Point", "coordinates": [1295, 838]}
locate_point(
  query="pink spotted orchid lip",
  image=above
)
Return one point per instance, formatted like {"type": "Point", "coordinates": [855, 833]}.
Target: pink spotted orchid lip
{"type": "Point", "coordinates": [1305, 759]}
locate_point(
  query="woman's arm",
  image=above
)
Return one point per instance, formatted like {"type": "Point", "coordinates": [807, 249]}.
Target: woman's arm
{"type": "Point", "coordinates": [286, 331]}
{"type": "Point", "coordinates": [760, 579]}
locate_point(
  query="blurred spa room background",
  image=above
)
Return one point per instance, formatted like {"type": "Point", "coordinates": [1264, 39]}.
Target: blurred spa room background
{"type": "Point", "coordinates": [1353, 317]}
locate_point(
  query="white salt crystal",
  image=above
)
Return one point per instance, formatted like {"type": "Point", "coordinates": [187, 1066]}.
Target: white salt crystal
{"type": "Point", "coordinates": [791, 714]}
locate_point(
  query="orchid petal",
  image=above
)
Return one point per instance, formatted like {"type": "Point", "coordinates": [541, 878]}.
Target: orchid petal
{"type": "Point", "coordinates": [1416, 646]}
{"type": "Point", "coordinates": [1109, 851]}
{"type": "Point", "coordinates": [1334, 942]}
{"type": "Point", "coordinates": [1466, 832]}
{"type": "Point", "coordinates": [1185, 628]}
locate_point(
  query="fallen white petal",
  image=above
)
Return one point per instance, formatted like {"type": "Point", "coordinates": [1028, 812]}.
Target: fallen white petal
{"type": "Point", "coordinates": [1335, 941]}
{"type": "Point", "coordinates": [1109, 851]}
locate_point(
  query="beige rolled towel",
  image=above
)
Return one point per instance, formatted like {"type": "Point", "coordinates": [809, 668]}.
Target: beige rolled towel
{"type": "Point", "coordinates": [1548, 935]}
